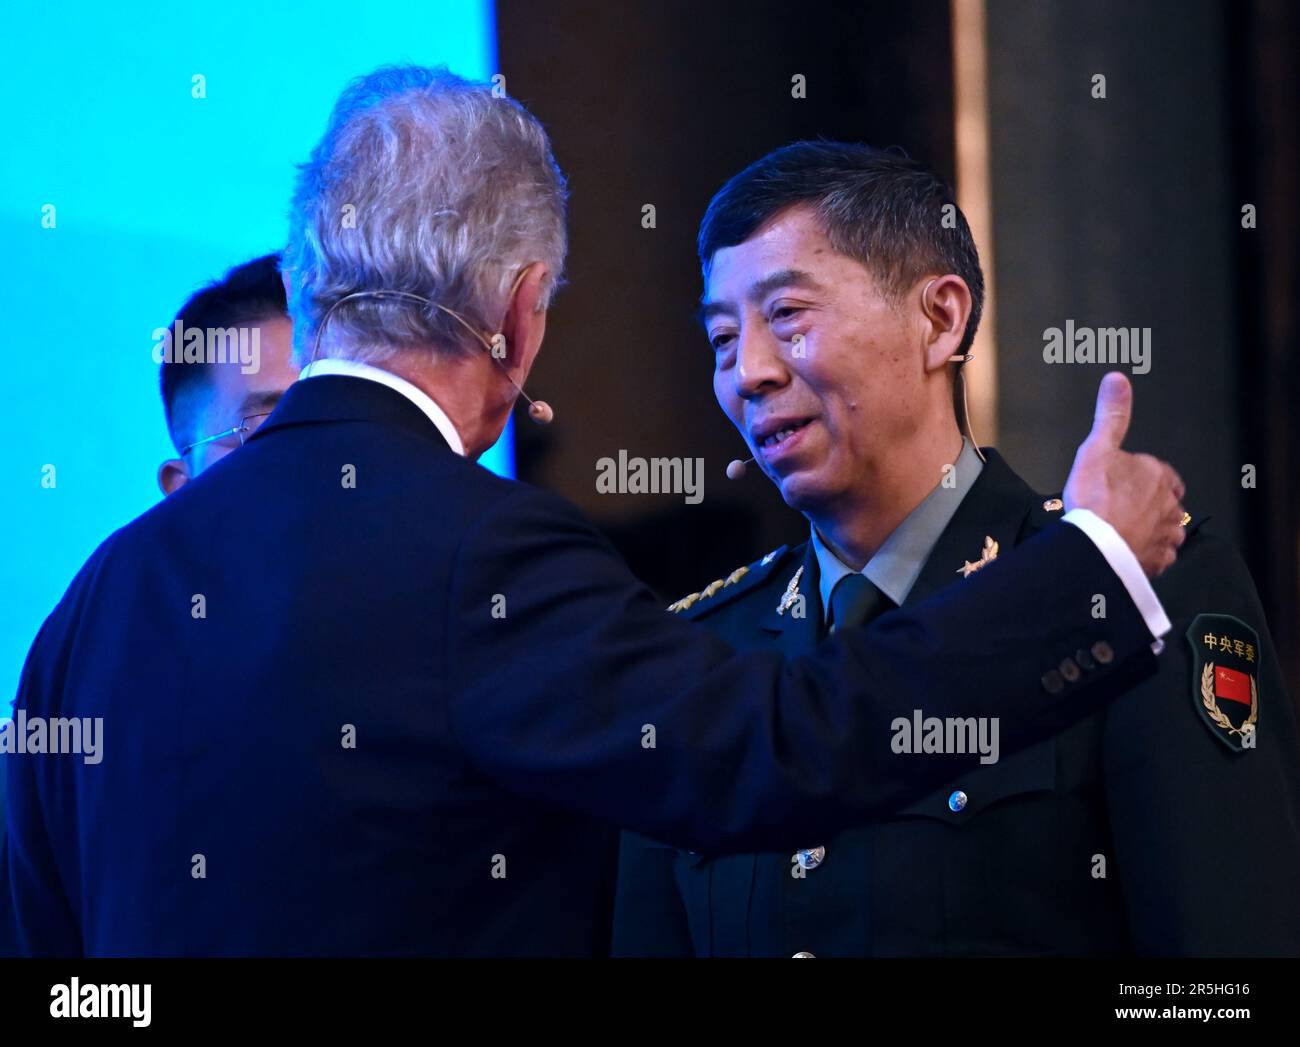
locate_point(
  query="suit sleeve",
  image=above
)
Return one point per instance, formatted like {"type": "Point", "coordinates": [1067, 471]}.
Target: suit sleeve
{"type": "Point", "coordinates": [567, 681]}
{"type": "Point", "coordinates": [41, 920]}
{"type": "Point", "coordinates": [1207, 840]}
{"type": "Point", "coordinates": [8, 933]}
{"type": "Point", "coordinates": [649, 917]}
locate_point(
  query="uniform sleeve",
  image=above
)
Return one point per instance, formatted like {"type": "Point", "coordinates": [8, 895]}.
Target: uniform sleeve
{"type": "Point", "coordinates": [1207, 840]}
{"type": "Point", "coordinates": [567, 681]}
{"type": "Point", "coordinates": [649, 918]}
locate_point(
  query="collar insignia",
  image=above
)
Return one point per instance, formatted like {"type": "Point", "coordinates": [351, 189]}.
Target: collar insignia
{"type": "Point", "coordinates": [791, 592]}
{"type": "Point", "coordinates": [988, 555]}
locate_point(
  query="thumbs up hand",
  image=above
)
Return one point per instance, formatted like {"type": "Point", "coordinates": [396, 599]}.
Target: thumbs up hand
{"type": "Point", "coordinates": [1137, 494]}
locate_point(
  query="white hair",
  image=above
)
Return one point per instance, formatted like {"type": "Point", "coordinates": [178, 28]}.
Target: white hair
{"type": "Point", "coordinates": [425, 183]}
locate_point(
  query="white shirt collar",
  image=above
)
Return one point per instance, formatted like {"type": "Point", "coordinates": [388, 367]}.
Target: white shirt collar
{"type": "Point", "coordinates": [417, 396]}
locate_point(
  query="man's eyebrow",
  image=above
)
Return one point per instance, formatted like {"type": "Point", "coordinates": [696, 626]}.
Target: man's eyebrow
{"type": "Point", "coordinates": [782, 278]}
{"type": "Point", "coordinates": [708, 310]}
{"type": "Point", "coordinates": [760, 290]}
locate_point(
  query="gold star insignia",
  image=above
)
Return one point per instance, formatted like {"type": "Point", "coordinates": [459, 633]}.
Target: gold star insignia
{"type": "Point", "coordinates": [721, 583]}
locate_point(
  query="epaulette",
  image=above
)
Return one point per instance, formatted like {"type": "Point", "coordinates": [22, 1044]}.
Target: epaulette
{"type": "Point", "coordinates": [724, 590]}
{"type": "Point", "coordinates": [1052, 509]}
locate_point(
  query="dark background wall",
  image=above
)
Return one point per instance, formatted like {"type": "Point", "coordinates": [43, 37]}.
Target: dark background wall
{"type": "Point", "coordinates": [1127, 211]}
{"type": "Point", "coordinates": [1262, 39]}
{"type": "Point", "coordinates": [659, 104]}
{"type": "Point", "coordinates": [1116, 212]}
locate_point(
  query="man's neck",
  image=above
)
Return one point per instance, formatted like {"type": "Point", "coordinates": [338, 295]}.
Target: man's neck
{"type": "Point", "coordinates": [855, 525]}
{"type": "Point", "coordinates": [471, 399]}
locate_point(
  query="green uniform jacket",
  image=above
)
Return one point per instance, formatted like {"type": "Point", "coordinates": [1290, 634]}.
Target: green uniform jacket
{"type": "Point", "coordinates": [1149, 828]}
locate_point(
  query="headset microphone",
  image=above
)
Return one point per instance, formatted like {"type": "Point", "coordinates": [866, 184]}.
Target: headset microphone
{"type": "Point", "coordinates": [961, 359]}
{"type": "Point", "coordinates": [736, 469]}
{"type": "Point", "coordinates": [538, 410]}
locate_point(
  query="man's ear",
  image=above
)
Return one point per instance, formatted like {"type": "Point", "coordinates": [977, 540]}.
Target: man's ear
{"type": "Point", "coordinates": [524, 324]}
{"type": "Point", "coordinates": [945, 307]}
{"type": "Point", "coordinates": [173, 474]}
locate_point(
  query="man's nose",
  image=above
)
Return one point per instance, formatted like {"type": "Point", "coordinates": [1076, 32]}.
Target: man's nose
{"type": "Point", "coordinates": [759, 366]}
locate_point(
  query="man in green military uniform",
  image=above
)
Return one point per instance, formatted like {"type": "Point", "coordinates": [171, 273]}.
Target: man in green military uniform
{"type": "Point", "coordinates": [841, 308]}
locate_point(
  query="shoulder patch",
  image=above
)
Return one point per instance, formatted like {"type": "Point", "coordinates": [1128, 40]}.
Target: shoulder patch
{"type": "Point", "coordinates": [1225, 678]}
{"type": "Point", "coordinates": [738, 581]}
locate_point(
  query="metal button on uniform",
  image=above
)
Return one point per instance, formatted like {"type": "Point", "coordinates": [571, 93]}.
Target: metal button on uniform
{"type": "Point", "coordinates": [1101, 650]}
{"type": "Point", "coordinates": [1070, 670]}
{"type": "Point", "coordinates": [1053, 682]}
{"type": "Point", "coordinates": [810, 857]}
{"type": "Point", "coordinates": [957, 800]}
{"type": "Point", "coordinates": [803, 956]}
{"type": "Point", "coordinates": [1084, 660]}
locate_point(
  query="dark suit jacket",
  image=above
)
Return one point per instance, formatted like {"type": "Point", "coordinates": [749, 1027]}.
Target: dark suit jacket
{"type": "Point", "coordinates": [396, 716]}
{"type": "Point", "coordinates": [1136, 831]}
{"type": "Point", "coordinates": [8, 936]}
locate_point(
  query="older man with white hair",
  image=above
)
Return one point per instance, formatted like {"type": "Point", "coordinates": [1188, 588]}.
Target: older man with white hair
{"type": "Point", "coordinates": [400, 713]}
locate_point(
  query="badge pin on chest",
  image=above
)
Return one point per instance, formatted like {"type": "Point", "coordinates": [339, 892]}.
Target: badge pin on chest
{"type": "Point", "coordinates": [791, 593]}
{"type": "Point", "coordinates": [987, 555]}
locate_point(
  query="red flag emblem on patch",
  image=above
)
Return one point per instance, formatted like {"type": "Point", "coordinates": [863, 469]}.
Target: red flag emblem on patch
{"type": "Point", "coordinates": [1225, 678]}
{"type": "Point", "coordinates": [1232, 685]}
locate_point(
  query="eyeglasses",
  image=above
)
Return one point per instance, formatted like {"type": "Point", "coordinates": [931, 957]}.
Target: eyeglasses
{"type": "Point", "coordinates": [247, 427]}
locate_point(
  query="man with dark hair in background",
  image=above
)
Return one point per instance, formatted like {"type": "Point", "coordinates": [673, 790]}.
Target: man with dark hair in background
{"type": "Point", "coordinates": [841, 308]}
{"type": "Point", "coordinates": [212, 407]}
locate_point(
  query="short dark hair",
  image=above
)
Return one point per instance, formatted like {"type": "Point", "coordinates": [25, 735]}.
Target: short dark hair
{"type": "Point", "coordinates": [879, 207]}
{"type": "Point", "coordinates": [247, 294]}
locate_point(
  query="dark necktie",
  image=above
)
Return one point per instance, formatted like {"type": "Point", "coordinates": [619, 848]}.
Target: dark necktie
{"type": "Point", "coordinates": [855, 600]}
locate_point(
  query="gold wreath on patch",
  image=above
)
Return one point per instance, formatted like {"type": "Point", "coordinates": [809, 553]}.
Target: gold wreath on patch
{"type": "Point", "coordinates": [1211, 703]}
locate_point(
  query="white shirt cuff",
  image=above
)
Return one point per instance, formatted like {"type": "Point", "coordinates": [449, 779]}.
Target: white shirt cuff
{"type": "Point", "coordinates": [1125, 564]}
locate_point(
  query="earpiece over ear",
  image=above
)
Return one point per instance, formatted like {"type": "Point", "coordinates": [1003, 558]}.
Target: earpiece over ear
{"type": "Point", "coordinates": [538, 410]}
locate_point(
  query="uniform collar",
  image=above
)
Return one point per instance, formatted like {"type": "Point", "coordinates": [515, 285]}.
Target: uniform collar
{"type": "Point", "coordinates": [998, 513]}
{"type": "Point", "coordinates": [898, 562]}
{"type": "Point", "coordinates": [417, 396]}
{"type": "Point", "coordinates": [797, 623]}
